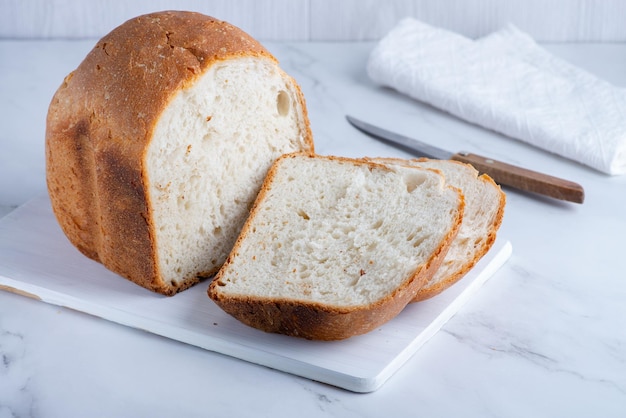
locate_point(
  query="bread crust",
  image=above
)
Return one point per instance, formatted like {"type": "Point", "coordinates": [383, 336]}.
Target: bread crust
{"type": "Point", "coordinates": [316, 321]}
{"type": "Point", "coordinates": [100, 123]}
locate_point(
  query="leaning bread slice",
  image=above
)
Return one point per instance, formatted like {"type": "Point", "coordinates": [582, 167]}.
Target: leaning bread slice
{"type": "Point", "coordinates": [484, 209]}
{"type": "Point", "coordinates": [158, 143]}
{"type": "Point", "coordinates": [335, 247]}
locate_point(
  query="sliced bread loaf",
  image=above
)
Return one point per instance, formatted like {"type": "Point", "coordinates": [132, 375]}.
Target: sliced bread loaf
{"type": "Point", "coordinates": [335, 247]}
{"type": "Point", "coordinates": [484, 209]}
{"type": "Point", "coordinates": [158, 143]}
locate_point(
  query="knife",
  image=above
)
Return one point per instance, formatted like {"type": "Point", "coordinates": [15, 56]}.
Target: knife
{"type": "Point", "coordinates": [502, 173]}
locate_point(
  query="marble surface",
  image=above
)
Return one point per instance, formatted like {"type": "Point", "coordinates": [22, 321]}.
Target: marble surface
{"type": "Point", "coordinates": [543, 338]}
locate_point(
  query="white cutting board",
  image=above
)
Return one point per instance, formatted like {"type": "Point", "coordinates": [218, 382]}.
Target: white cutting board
{"type": "Point", "coordinates": [37, 260]}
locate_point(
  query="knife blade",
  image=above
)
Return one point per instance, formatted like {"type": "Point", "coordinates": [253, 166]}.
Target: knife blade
{"type": "Point", "coordinates": [502, 173]}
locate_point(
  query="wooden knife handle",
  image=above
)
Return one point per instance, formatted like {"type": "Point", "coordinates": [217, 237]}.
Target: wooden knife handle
{"type": "Point", "coordinates": [523, 179]}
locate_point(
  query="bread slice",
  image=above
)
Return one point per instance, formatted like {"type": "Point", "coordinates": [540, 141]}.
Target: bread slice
{"type": "Point", "coordinates": [484, 210]}
{"type": "Point", "coordinates": [335, 247]}
{"type": "Point", "coordinates": [158, 143]}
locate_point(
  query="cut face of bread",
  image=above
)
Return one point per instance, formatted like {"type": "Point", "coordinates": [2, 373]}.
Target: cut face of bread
{"type": "Point", "coordinates": [484, 209]}
{"type": "Point", "coordinates": [210, 152]}
{"type": "Point", "coordinates": [336, 247]}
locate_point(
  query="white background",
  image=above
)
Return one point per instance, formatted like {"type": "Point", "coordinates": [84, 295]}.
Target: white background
{"type": "Point", "coordinates": [327, 20]}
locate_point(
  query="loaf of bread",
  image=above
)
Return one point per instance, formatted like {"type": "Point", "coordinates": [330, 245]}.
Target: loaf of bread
{"type": "Point", "coordinates": [484, 209]}
{"type": "Point", "coordinates": [335, 247]}
{"type": "Point", "coordinates": [158, 143]}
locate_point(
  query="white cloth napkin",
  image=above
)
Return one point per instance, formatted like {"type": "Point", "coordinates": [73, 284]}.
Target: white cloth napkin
{"type": "Point", "coordinates": [508, 83]}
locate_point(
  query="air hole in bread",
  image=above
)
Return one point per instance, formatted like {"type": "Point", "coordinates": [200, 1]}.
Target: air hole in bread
{"type": "Point", "coordinates": [282, 103]}
{"type": "Point", "coordinates": [303, 215]}
{"type": "Point", "coordinates": [348, 229]}
{"type": "Point", "coordinates": [413, 181]}
{"type": "Point", "coordinates": [417, 242]}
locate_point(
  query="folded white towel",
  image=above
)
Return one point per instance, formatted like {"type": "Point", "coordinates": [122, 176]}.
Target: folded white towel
{"type": "Point", "coordinates": [508, 83]}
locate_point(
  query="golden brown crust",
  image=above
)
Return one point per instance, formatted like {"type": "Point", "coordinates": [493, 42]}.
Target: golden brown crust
{"type": "Point", "coordinates": [101, 120]}
{"type": "Point", "coordinates": [321, 322]}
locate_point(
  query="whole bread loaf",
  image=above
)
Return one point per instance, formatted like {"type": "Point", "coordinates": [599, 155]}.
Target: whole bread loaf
{"type": "Point", "coordinates": [335, 247]}
{"type": "Point", "coordinates": [158, 143]}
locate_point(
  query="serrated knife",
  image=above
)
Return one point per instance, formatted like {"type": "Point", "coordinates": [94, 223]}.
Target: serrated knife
{"type": "Point", "coordinates": [502, 173]}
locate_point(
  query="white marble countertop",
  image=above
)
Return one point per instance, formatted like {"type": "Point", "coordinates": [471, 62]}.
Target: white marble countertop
{"type": "Point", "coordinates": [543, 338]}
